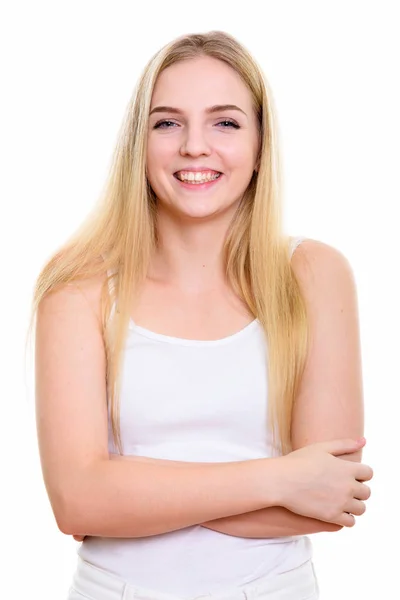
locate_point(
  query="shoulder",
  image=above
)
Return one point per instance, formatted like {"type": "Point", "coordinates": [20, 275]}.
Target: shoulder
{"type": "Point", "coordinates": [323, 271]}
{"type": "Point", "coordinates": [80, 297]}
{"type": "Point", "coordinates": [314, 256]}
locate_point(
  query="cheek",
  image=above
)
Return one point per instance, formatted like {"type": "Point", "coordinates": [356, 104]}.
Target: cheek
{"type": "Point", "coordinates": [160, 149]}
{"type": "Point", "coordinates": [237, 155]}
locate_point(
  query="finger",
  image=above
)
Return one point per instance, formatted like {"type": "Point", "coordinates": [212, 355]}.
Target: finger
{"type": "Point", "coordinates": [361, 491]}
{"type": "Point", "coordinates": [364, 473]}
{"type": "Point", "coordinates": [356, 507]}
{"type": "Point", "coordinates": [347, 520]}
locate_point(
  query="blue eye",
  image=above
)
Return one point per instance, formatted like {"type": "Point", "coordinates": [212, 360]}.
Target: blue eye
{"type": "Point", "coordinates": [167, 124]}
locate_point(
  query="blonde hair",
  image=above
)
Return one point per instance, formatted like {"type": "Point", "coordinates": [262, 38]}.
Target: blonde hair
{"type": "Point", "coordinates": [119, 236]}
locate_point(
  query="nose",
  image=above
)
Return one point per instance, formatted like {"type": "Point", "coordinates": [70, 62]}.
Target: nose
{"type": "Point", "coordinates": [194, 142]}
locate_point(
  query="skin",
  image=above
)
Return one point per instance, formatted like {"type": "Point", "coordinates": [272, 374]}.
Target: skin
{"type": "Point", "coordinates": [192, 224]}
{"type": "Point", "coordinates": [186, 275]}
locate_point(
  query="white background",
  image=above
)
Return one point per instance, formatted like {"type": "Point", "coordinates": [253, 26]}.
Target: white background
{"type": "Point", "coordinates": [68, 71]}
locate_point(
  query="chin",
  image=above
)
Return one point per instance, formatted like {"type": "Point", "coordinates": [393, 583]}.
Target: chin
{"type": "Point", "coordinates": [209, 211]}
{"type": "Point", "coordinates": [204, 209]}
{"type": "Point", "coordinates": [197, 214]}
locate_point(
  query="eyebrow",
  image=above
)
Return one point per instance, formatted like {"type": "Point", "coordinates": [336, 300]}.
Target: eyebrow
{"type": "Point", "coordinates": [211, 109]}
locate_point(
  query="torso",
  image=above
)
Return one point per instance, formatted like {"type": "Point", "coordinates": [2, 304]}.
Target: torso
{"type": "Point", "coordinates": [200, 316]}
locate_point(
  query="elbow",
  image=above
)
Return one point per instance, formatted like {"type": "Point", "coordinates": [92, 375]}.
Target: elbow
{"type": "Point", "coordinates": [61, 512]}
{"type": "Point", "coordinates": [72, 519]}
{"type": "Point", "coordinates": [65, 513]}
{"type": "Point", "coordinates": [77, 508]}
{"type": "Point", "coordinates": [68, 507]}
{"type": "Point", "coordinates": [64, 526]}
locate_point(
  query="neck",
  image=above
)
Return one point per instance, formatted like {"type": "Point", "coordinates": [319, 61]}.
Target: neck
{"type": "Point", "coordinates": [189, 254]}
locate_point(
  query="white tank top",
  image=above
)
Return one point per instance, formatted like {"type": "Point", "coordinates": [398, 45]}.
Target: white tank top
{"type": "Point", "coordinates": [196, 401]}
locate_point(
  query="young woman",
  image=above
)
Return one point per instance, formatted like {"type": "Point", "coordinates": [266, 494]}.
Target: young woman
{"type": "Point", "coordinates": [198, 377]}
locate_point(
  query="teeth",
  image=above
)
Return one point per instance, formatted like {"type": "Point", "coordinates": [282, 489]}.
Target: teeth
{"type": "Point", "coordinates": [197, 177]}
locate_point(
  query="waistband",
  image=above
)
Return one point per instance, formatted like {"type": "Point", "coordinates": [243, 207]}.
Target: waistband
{"type": "Point", "coordinates": [98, 584]}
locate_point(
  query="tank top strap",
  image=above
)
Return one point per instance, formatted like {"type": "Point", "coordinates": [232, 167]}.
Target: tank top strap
{"type": "Point", "coordinates": [295, 242]}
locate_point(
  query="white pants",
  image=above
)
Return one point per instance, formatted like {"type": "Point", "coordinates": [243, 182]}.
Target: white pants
{"type": "Point", "coordinates": [92, 583]}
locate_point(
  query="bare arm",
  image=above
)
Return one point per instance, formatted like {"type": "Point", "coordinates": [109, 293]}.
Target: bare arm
{"type": "Point", "coordinates": [274, 521]}
{"type": "Point", "coordinates": [92, 494]}
{"type": "Point", "coordinates": [134, 499]}
{"type": "Point", "coordinates": [329, 404]}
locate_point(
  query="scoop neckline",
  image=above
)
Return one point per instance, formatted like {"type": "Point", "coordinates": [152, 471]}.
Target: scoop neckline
{"type": "Point", "coordinates": [161, 337]}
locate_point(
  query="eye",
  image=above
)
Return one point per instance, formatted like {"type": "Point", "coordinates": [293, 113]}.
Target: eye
{"type": "Point", "coordinates": [166, 124]}
{"type": "Point", "coordinates": [229, 123]}
{"type": "Point", "coordinates": [160, 123]}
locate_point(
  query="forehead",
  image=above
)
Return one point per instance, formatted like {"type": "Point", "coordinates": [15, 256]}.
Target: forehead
{"type": "Point", "coordinates": [200, 82]}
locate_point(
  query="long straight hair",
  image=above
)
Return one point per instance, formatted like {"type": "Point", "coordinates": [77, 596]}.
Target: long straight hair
{"type": "Point", "coordinates": [119, 235]}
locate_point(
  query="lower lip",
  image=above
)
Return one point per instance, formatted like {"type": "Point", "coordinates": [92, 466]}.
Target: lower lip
{"type": "Point", "coordinates": [198, 186]}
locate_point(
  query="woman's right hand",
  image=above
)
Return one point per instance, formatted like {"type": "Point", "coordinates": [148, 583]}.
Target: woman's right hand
{"type": "Point", "coordinates": [316, 483]}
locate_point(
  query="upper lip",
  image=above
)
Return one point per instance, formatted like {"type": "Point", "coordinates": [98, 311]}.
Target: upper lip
{"type": "Point", "coordinates": [197, 169]}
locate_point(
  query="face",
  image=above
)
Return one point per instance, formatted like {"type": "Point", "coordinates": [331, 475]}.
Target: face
{"type": "Point", "coordinates": [200, 161]}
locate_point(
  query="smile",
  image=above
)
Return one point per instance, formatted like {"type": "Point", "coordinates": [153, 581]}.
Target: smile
{"type": "Point", "coordinates": [198, 181]}
{"type": "Point", "coordinates": [197, 176]}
